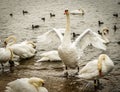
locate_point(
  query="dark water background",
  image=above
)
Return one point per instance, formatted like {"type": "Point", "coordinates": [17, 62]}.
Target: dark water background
{"type": "Point", "coordinates": [20, 26]}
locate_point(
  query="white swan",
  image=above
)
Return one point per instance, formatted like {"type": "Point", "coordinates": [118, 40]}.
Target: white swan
{"type": "Point", "coordinates": [77, 12]}
{"type": "Point", "coordinates": [24, 49]}
{"type": "Point", "coordinates": [6, 54]}
{"type": "Point", "coordinates": [70, 52]}
{"type": "Point", "coordinates": [32, 84]}
{"type": "Point", "coordinates": [49, 56]}
{"type": "Point", "coordinates": [97, 68]}
{"type": "Point", "coordinates": [53, 54]}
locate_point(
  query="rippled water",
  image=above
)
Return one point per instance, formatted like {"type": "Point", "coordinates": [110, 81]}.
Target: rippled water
{"type": "Point", "coordinates": [20, 26]}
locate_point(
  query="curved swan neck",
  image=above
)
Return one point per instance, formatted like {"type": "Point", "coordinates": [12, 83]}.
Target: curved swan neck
{"type": "Point", "coordinates": [11, 52]}
{"type": "Point", "coordinates": [101, 58]}
{"type": "Point", "coordinates": [8, 39]}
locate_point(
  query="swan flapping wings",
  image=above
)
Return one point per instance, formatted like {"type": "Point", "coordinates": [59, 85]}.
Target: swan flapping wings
{"type": "Point", "coordinates": [89, 37]}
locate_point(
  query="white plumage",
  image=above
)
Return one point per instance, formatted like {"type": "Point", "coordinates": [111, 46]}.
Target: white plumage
{"type": "Point", "coordinates": [70, 52]}
{"type": "Point", "coordinates": [24, 49]}
{"type": "Point", "coordinates": [49, 56]}
{"type": "Point", "coordinates": [96, 69]}
{"type": "Point", "coordinates": [77, 12]}
{"type": "Point", "coordinates": [52, 38]}
{"type": "Point", "coordinates": [33, 84]}
{"type": "Point", "coordinates": [93, 68]}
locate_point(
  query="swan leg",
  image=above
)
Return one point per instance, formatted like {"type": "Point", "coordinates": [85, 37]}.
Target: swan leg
{"type": "Point", "coordinates": [66, 72]}
{"type": "Point", "coordinates": [95, 84]}
{"type": "Point", "coordinates": [78, 69]}
{"type": "Point", "coordinates": [99, 85]}
{"type": "Point", "coordinates": [11, 66]}
{"type": "Point", "coordinates": [2, 67]}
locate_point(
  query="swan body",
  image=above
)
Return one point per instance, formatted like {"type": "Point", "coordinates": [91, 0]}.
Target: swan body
{"type": "Point", "coordinates": [77, 12]}
{"type": "Point", "coordinates": [32, 84]}
{"type": "Point", "coordinates": [97, 68]}
{"type": "Point", "coordinates": [24, 49]}
{"type": "Point", "coordinates": [49, 56]}
{"type": "Point", "coordinates": [70, 52]}
{"type": "Point", "coordinates": [5, 55]}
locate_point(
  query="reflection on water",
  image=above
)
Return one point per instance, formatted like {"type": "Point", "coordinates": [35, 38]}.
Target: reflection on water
{"type": "Point", "coordinates": [21, 26]}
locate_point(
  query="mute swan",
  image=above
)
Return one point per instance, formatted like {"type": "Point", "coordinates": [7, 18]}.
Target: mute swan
{"type": "Point", "coordinates": [70, 52]}
{"type": "Point", "coordinates": [32, 84]}
{"type": "Point", "coordinates": [24, 49]}
{"type": "Point", "coordinates": [97, 68]}
{"type": "Point", "coordinates": [77, 12]}
{"type": "Point", "coordinates": [50, 56]}
{"type": "Point", "coordinates": [6, 54]}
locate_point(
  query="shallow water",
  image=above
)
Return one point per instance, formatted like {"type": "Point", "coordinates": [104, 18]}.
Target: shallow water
{"type": "Point", "coordinates": [20, 26]}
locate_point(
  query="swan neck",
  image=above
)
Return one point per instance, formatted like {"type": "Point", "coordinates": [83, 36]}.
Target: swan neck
{"type": "Point", "coordinates": [11, 52]}
{"type": "Point", "coordinates": [68, 23]}
{"type": "Point", "coordinates": [67, 38]}
{"type": "Point", "coordinates": [8, 39]}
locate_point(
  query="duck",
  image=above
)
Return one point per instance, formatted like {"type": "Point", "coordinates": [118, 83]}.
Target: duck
{"type": "Point", "coordinates": [115, 15]}
{"type": "Point", "coordinates": [43, 19]}
{"type": "Point", "coordinates": [100, 23]}
{"type": "Point", "coordinates": [35, 26]}
{"type": "Point", "coordinates": [70, 52]}
{"type": "Point", "coordinates": [52, 15]}
{"type": "Point", "coordinates": [96, 69]}
{"type": "Point", "coordinates": [77, 12]}
{"type": "Point", "coordinates": [24, 49]}
{"type": "Point", "coordinates": [24, 12]}
{"type": "Point", "coordinates": [49, 56]}
{"type": "Point", "coordinates": [32, 84]}
{"type": "Point", "coordinates": [11, 14]}
{"type": "Point", "coordinates": [115, 28]}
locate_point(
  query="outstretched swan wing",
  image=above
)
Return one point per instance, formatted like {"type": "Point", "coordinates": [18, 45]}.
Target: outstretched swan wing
{"type": "Point", "coordinates": [89, 37]}
{"type": "Point", "coordinates": [50, 38]}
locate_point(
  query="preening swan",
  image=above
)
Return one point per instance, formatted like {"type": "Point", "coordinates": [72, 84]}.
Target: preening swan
{"type": "Point", "coordinates": [70, 52]}
{"type": "Point", "coordinates": [24, 49]}
{"type": "Point", "coordinates": [32, 84]}
{"type": "Point", "coordinates": [77, 12]}
{"type": "Point", "coordinates": [49, 56]}
{"type": "Point", "coordinates": [97, 68]}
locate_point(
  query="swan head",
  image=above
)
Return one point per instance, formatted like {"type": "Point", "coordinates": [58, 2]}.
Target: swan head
{"type": "Point", "coordinates": [66, 12]}
{"type": "Point", "coordinates": [10, 38]}
{"type": "Point", "coordinates": [105, 30]}
{"type": "Point", "coordinates": [36, 82]}
{"type": "Point", "coordinates": [101, 59]}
